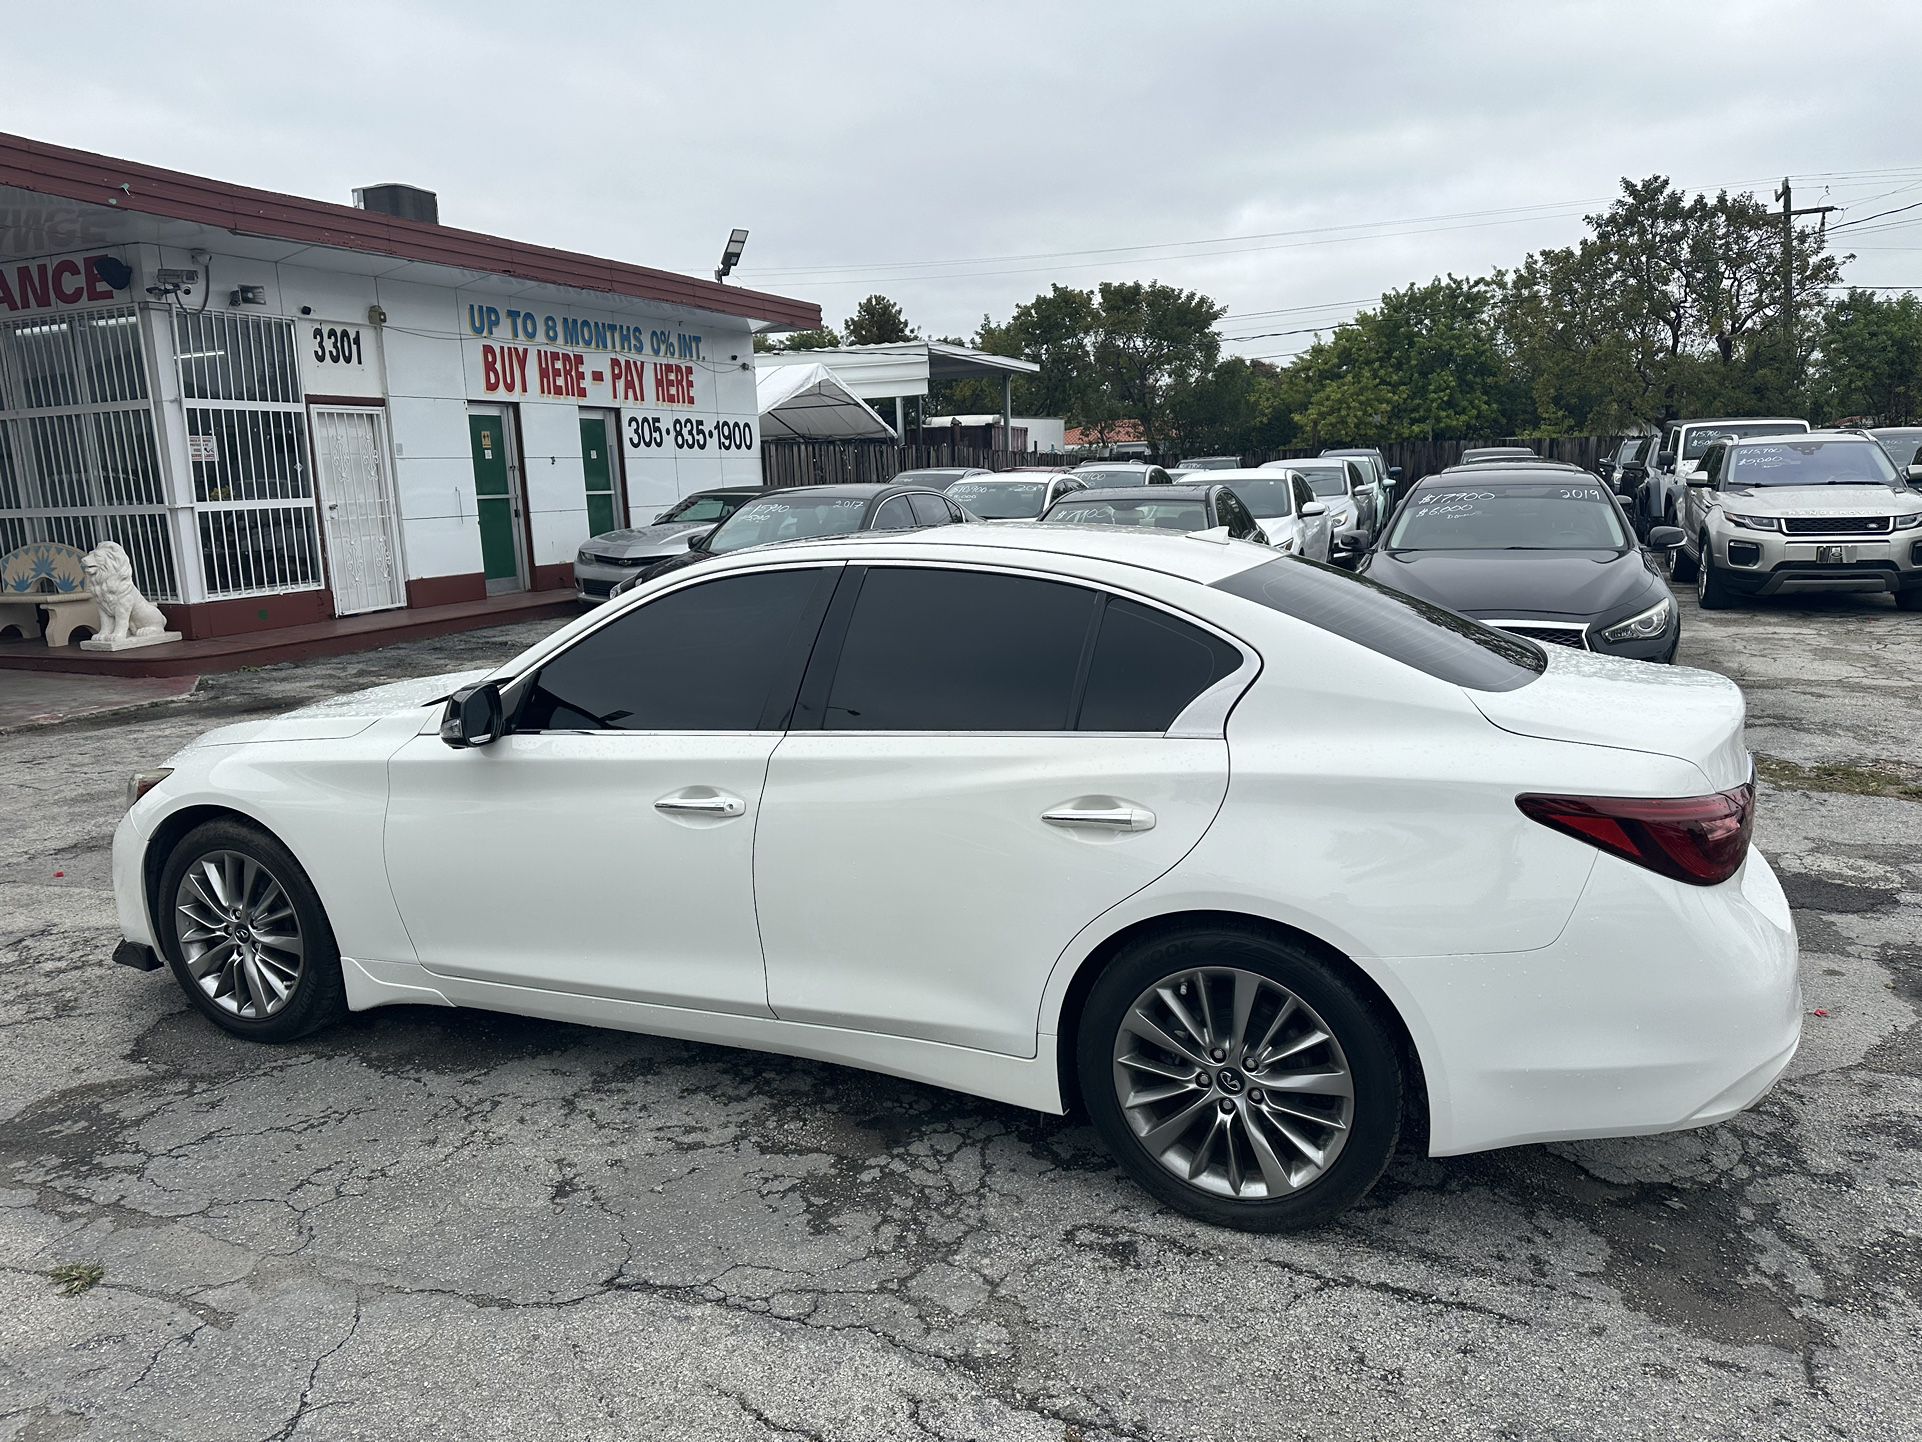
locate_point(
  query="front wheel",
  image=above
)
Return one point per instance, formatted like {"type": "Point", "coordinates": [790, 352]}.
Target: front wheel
{"type": "Point", "coordinates": [1712, 590]}
{"type": "Point", "coordinates": [1239, 1078]}
{"type": "Point", "coordinates": [244, 932]}
{"type": "Point", "coordinates": [1682, 568]}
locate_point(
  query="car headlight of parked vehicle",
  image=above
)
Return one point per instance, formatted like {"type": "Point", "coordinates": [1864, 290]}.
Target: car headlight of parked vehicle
{"type": "Point", "coordinates": [141, 782]}
{"type": "Point", "coordinates": [1754, 523]}
{"type": "Point", "coordinates": [1645, 624]}
{"type": "Point", "coordinates": [1906, 523]}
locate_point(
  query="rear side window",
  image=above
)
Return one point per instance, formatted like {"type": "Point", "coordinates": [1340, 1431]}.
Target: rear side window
{"type": "Point", "coordinates": [1417, 633]}
{"type": "Point", "coordinates": [930, 510]}
{"type": "Point", "coordinates": [939, 650]}
{"type": "Point", "coordinates": [894, 515]}
{"type": "Point", "coordinates": [1147, 667]}
{"type": "Point", "coordinates": [708, 658]}
{"type": "Point", "coordinates": [933, 650]}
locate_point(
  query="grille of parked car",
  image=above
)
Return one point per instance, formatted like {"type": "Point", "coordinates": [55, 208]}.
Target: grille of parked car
{"type": "Point", "coordinates": [1575, 636]}
{"type": "Point", "coordinates": [601, 559]}
{"type": "Point", "coordinates": [1836, 525]}
{"type": "Point", "coordinates": [593, 587]}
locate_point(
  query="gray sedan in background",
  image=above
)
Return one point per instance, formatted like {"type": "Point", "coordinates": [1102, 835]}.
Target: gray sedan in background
{"type": "Point", "coordinates": [604, 561]}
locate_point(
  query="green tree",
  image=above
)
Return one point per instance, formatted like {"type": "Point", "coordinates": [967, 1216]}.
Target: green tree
{"type": "Point", "coordinates": [1869, 359]}
{"type": "Point", "coordinates": [878, 321]}
{"type": "Point", "coordinates": [826, 338]}
{"type": "Point", "coordinates": [1150, 342]}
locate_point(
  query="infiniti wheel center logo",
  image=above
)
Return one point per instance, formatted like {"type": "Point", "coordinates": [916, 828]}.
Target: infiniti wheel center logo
{"type": "Point", "coordinates": [1229, 1080]}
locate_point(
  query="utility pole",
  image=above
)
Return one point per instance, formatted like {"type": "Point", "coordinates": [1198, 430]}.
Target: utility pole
{"type": "Point", "coordinates": [1789, 213]}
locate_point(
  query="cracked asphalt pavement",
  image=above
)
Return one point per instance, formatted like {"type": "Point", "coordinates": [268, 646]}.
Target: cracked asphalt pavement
{"type": "Point", "coordinates": [435, 1224]}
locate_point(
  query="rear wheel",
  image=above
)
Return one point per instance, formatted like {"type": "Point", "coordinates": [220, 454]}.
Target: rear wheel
{"type": "Point", "coordinates": [244, 932]}
{"type": "Point", "coordinates": [1712, 590]}
{"type": "Point", "coordinates": [1240, 1078]}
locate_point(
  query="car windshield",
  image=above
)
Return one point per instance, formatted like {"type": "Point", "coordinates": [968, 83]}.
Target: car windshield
{"type": "Point", "coordinates": [1695, 443]}
{"type": "Point", "coordinates": [696, 509]}
{"type": "Point", "coordinates": [765, 521]}
{"type": "Point", "coordinates": [1000, 500]}
{"type": "Point", "coordinates": [1267, 498]}
{"type": "Point", "coordinates": [1212, 463]}
{"type": "Point", "coordinates": [1901, 449]}
{"type": "Point", "coordinates": [1549, 516]}
{"type": "Point", "coordinates": [1160, 513]}
{"type": "Point", "coordinates": [938, 478]}
{"type": "Point", "coordinates": [1113, 475]}
{"type": "Point", "coordinates": [1811, 463]}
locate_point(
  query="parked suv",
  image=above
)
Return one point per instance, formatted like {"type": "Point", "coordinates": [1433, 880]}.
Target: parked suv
{"type": "Point", "coordinates": [1684, 446]}
{"type": "Point", "coordinates": [1821, 511]}
{"type": "Point", "coordinates": [1627, 469]}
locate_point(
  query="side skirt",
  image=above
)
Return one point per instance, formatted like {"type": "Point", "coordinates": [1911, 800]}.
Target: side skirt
{"type": "Point", "coordinates": [1031, 1082]}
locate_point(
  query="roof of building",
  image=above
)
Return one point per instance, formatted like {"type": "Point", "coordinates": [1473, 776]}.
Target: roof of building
{"type": "Point", "coordinates": [106, 185]}
{"type": "Point", "coordinates": [1116, 432]}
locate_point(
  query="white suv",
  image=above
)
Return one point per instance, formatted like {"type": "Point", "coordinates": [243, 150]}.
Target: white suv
{"type": "Point", "coordinates": [1825, 511]}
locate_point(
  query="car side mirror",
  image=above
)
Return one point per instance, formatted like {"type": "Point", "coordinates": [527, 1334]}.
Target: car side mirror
{"type": "Point", "coordinates": [1664, 538]}
{"type": "Point", "coordinates": [1697, 478]}
{"type": "Point", "coordinates": [1915, 475]}
{"type": "Point", "coordinates": [1348, 543]}
{"type": "Point", "coordinates": [473, 716]}
{"type": "Point", "coordinates": [699, 543]}
{"type": "Point", "coordinates": [1314, 508]}
{"type": "Point", "coordinates": [1394, 473]}
{"type": "Point", "coordinates": [1666, 460]}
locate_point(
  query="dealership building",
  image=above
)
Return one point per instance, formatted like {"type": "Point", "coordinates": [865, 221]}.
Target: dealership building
{"type": "Point", "coordinates": [291, 412]}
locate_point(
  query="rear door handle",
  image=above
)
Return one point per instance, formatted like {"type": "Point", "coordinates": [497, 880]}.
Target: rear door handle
{"type": "Point", "coordinates": [711, 804]}
{"type": "Point", "coordinates": [1101, 818]}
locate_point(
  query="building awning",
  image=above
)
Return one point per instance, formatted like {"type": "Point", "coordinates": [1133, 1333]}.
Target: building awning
{"type": "Point", "coordinates": [905, 368]}
{"type": "Point", "coordinates": [809, 402]}
{"type": "Point", "coordinates": [54, 199]}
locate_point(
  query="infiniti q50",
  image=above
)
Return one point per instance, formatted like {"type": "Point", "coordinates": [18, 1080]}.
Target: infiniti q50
{"type": "Point", "coordinates": [1061, 817]}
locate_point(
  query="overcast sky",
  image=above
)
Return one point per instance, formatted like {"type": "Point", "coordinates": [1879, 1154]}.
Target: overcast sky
{"type": "Point", "coordinates": [1289, 159]}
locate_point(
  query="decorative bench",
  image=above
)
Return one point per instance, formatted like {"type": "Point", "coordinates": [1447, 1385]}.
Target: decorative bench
{"type": "Point", "coordinates": [46, 573]}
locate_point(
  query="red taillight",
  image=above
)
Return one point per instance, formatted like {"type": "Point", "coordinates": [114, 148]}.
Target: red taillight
{"type": "Point", "coordinates": [1697, 839]}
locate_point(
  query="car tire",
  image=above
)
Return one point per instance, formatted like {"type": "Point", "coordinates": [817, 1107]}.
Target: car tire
{"type": "Point", "coordinates": [279, 946]}
{"type": "Point", "coordinates": [1217, 1146]}
{"type": "Point", "coordinates": [1712, 590]}
{"type": "Point", "coordinates": [1910, 600]}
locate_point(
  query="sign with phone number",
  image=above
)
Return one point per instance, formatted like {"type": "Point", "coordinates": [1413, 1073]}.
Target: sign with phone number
{"type": "Point", "coordinates": [645, 435]}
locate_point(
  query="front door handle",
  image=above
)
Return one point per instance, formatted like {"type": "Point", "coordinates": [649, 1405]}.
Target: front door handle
{"type": "Point", "coordinates": [712, 804]}
{"type": "Point", "coordinates": [1101, 818]}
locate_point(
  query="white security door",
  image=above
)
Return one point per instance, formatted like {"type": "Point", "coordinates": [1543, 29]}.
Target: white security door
{"type": "Point", "coordinates": [358, 510]}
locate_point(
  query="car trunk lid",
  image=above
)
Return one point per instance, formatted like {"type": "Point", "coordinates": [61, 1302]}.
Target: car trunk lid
{"type": "Point", "coordinates": [1696, 716]}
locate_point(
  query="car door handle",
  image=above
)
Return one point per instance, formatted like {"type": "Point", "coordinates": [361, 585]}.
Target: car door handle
{"type": "Point", "coordinates": [1102, 818]}
{"type": "Point", "coordinates": [709, 805]}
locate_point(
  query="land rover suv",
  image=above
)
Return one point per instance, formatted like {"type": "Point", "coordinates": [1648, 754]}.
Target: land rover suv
{"type": "Point", "coordinates": [1824, 511]}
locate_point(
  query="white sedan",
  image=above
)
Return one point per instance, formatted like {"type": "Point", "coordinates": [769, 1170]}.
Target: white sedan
{"type": "Point", "coordinates": [1052, 817]}
{"type": "Point", "coordinates": [1286, 508]}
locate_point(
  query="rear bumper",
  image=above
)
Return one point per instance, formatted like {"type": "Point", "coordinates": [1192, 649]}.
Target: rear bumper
{"type": "Point", "coordinates": [1660, 1007]}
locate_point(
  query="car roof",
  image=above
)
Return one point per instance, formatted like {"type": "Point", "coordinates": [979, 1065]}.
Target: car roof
{"type": "Point", "coordinates": [1899, 433]}
{"type": "Point", "coordinates": [1184, 491]}
{"type": "Point", "coordinates": [1036, 471]}
{"type": "Point", "coordinates": [1521, 471]}
{"type": "Point", "coordinates": [1169, 553]}
{"type": "Point", "coordinates": [1822, 435]}
{"type": "Point", "coordinates": [1740, 421]}
{"type": "Point", "coordinates": [1239, 473]}
{"type": "Point", "coordinates": [1026, 477]}
{"type": "Point", "coordinates": [852, 490]}
{"type": "Point", "coordinates": [1120, 465]}
{"type": "Point", "coordinates": [1352, 451]}
{"type": "Point", "coordinates": [733, 491]}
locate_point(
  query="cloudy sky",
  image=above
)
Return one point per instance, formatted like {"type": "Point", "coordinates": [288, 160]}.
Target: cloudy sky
{"type": "Point", "coordinates": [1290, 159]}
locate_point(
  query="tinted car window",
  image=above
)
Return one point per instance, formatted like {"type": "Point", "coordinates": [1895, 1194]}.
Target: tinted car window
{"type": "Point", "coordinates": [1266, 498]}
{"type": "Point", "coordinates": [1148, 666]}
{"type": "Point", "coordinates": [933, 650]}
{"type": "Point", "coordinates": [1433, 640]}
{"type": "Point", "coordinates": [930, 510]}
{"type": "Point", "coordinates": [700, 659]}
{"type": "Point", "coordinates": [1179, 514]}
{"type": "Point", "coordinates": [792, 518]}
{"type": "Point", "coordinates": [703, 508]}
{"type": "Point", "coordinates": [894, 515]}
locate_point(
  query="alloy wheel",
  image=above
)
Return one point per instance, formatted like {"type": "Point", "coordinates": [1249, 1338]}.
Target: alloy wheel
{"type": "Point", "coordinates": [1233, 1083]}
{"type": "Point", "coordinates": [1701, 574]}
{"type": "Point", "coordinates": [239, 935]}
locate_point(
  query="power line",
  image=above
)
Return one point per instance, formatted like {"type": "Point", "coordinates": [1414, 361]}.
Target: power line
{"type": "Point", "coordinates": [1845, 224]}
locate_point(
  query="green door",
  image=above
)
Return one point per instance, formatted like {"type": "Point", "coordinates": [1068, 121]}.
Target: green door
{"type": "Point", "coordinates": [598, 466]}
{"type": "Point", "coordinates": [494, 501]}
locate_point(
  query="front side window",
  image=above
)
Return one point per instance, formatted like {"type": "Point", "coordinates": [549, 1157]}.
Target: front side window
{"type": "Point", "coordinates": [1420, 634]}
{"type": "Point", "coordinates": [1809, 463]}
{"type": "Point", "coordinates": [704, 658]}
{"type": "Point", "coordinates": [1503, 516]}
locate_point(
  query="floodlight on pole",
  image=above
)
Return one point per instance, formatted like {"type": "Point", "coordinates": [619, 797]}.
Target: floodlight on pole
{"type": "Point", "coordinates": [731, 255]}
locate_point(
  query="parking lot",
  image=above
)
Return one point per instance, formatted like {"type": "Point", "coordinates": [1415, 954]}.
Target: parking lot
{"type": "Point", "coordinates": [424, 1223]}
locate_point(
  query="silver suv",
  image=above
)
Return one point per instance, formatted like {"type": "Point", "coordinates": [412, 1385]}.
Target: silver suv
{"type": "Point", "coordinates": [1825, 511]}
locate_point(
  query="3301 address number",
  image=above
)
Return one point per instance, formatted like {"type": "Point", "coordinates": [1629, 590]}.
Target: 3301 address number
{"type": "Point", "coordinates": [337, 345]}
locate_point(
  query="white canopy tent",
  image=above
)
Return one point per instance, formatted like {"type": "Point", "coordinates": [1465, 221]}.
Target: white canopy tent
{"type": "Point", "coordinates": [810, 403]}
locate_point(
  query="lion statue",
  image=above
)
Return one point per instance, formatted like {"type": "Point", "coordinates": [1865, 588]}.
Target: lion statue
{"type": "Point", "coordinates": [124, 611]}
